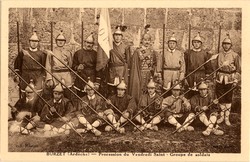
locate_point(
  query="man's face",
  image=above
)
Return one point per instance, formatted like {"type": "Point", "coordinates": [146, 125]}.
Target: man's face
{"type": "Point", "coordinates": [29, 95]}
{"type": "Point", "coordinates": [90, 92]}
{"type": "Point", "coordinates": [60, 43]}
{"type": "Point", "coordinates": [176, 92]}
{"type": "Point", "coordinates": [33, 44]}
{"type": "Point", "coordinates": [120, 92]}
{"type": "Point", "coordinates": [151, 90]}
{"type": "Point", "coordinates": [146, 42]}
{"type": "Point", "coordinates": [89, 45]}
{"type": "Point", "coordinates": [196, 44]}
{"type": "Point", "coordinates": [226, 46]}
{"type": "Point", "coordinates": [203, 92]}
{"type": "Point", "coordinates": [57, 95]}
{"type": "Point", "coordinates": [172, 45]}
{"type": "Point", "coordinates": [117, 38]}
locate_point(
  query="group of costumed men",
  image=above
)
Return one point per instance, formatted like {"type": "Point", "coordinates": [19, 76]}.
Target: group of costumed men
{"type": "Point", "coordinates": [142, 87]}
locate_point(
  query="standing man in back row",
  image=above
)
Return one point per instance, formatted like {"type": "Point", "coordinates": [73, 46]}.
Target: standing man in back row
{"type": "Point", "coordinates": [28, 68]}
{"type": "Point", "coordinates": [173, 64]}
{"type": "Point", "coordinates": [84, 62]}
{"type": "Point", "coordinates": [119, 60]}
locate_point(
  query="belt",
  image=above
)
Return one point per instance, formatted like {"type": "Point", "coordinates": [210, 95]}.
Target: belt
{"type": "Point", "coordinates": [227, 72]}
{"type": "Point", "coordinates": [60, 70]}
{"type": "Point", "coordinates": [174, 69]}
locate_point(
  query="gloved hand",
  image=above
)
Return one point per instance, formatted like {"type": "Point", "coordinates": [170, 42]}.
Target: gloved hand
{"type": "Point", "coordinates": [52, 109]}
{"type": "Point", "coordinates": [80, 68]}
{"type": "Point", "coordinates": [50, 83]}
{"type": "Point", "coordinates": [125, 114]}
{"type": "Point", "coordinates": [204, 108]}
{"type": "Point", "coordinates": [16, 79]}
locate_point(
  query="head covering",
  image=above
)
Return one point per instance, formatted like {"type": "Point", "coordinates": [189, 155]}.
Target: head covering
{"type": "Point", "coordinates": [151, 83]}
{"type": "Point", "coordinates": [146, 34]}
{"type": "Point", "coordinates": [227, 39]}
{"type": "Point", "coordinates": [197, 37]}
{"type": "Point", "coordinates": [90, 85]}
{"type": "Point", "coordinates": [172, 38]}
{"type": "Point", "coordinates": [118, 30]}
{"type": "Point", "coordinates": [31, 84]}
{"type": "Point", "coordinates": [90, 38]}
{"type": "Point", "coordinates": [203, 85]}
{"type": "Point", "coordinates": [178, 86]}
{"type": "Point", "coordinates": [122, 85]}
{"type": "Point", "coordinates": [61, 36]}
{"type": "Point", "coordinates": [34, 37]}
{"type": "Point", "coordinates": [59, 87]}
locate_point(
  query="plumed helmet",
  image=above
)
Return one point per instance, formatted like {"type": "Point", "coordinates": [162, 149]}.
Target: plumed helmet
{"type": "Point", "coordinates": [197, 38]}
{"type": "Point", "coordinates": [122, 85]}
{"type": "Point", "coordinates": [151, 83]}
{"type": "Point", "coordinates": [34, 37]}
{"type": "Point", "coordinates": [202, 85]}
{"type": "Point", "coordinates": [227, 40]}
{"type": "Point", "coordinates": [61, 36]}
{"type": "Point", "coordinates": [172, 38]}
{"type": "Point", "coordinates": [90, 38]}
{"type": "Point", "coordinates": [90, 85]}
{"type": "Point", "coordinates": [31, 84]}
{"type": "Point", "coordinates": [59, 87]}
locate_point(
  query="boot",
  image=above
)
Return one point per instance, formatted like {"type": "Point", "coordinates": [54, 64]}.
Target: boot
{"type": "Point", "coordinates": [227, 113]}
{"type": "Point", "coordinates": [222, 114]}
{"type": "Point", "coordinates": [207, 131]}
{"type": "Point", "coordinates": [108, 128]}
{"type": "Point", "coordinates": [217, 132]}
{"type": "Point", "coordinates": [96, 132]}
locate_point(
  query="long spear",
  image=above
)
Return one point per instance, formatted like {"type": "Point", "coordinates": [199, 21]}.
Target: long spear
{"type": "Point", "coordinates": [219, 37]}
{"type": "Point", "coordinates": [69, 89]}
{"type": "Point", "coordinates": [44, 101]}
{"type": "Point", "coordinates": [18, 50]}
{"type": "Point", "coordinates": [51, 36]}
{"type": "Point", "coordinates": [233, 87]}
{"type": "Point", "coordinates": [95, 91]}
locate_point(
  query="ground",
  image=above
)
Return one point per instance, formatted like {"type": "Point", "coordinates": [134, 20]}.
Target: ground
{"type": "Point", "coordinates": [147, 141]}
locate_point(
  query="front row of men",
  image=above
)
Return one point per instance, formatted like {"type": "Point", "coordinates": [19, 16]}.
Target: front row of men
{"type": "Point", "coordinates": [60, 115]}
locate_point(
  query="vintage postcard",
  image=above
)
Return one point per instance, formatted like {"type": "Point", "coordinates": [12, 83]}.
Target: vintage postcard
{"type": "Point", "coordinates": [124, 80]}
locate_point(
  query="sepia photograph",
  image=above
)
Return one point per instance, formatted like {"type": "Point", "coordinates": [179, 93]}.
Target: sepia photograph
{"type": "Point", "coordinates": [102, 81]}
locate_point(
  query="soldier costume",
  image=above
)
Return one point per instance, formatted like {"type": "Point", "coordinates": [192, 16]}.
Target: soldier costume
{"type": "Point", "coordinates": [60, 106]}
{"type": "Point", "coordinates": [227, 77]}
{"type": "Point", "coordinates": [199, 103]}
{"type": "Point", "coordinates": [173, 64]}
{"type": "Point", "coordinates": [87, 117]}
{"type": "Point", "coordinates": [28, 68]}
{"type": "Point", "coordinates": [57, 68]}
{"type": "Point", "coordinates": [177, 109]}
{"type": "Point", "coordinates": [143, 66]}
{"type": "Point", "coordinates": [27, 112]}
{"type": "Point", "coordinates": [125, 103]}
{"type": "Point", "coordinates": [119, 60]}
{"type": "Point", "coordinates": [144, 101]}
{"type": "Point", "coordinates": [193, 59]}
{"type": "Point", "coordinates": [84, 62]}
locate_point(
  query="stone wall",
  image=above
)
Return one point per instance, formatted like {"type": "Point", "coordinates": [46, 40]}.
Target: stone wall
{"type": "Point", "coordinates": [176, 19]}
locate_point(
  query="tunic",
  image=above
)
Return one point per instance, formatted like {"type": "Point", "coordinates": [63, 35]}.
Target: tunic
{"type": "Point", "coordinates": [145, 100]}
{"type": "Point", "coordinates": [64, 108]}
{"type": "Point", "coordinates": [29, 69]}
{"type": "Point", "coordinates": [175, 105]}
{"type": "Point", "coordinates": [227, 74]}
{"type": "Point", "coordinates": [57, 68]}
{"type": "Point", "coordinates": [119, 62]}
{"type": "Point", "coordinates": [96, 103]}
{"type": "Point", "coordinates": [173, 67]}
{"type": "Point", "coordinates": [125, 103]}
{"type": "Point", "coordinates": [193, 60]}
{"type": "Point", "coordinates": [88, 59]}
